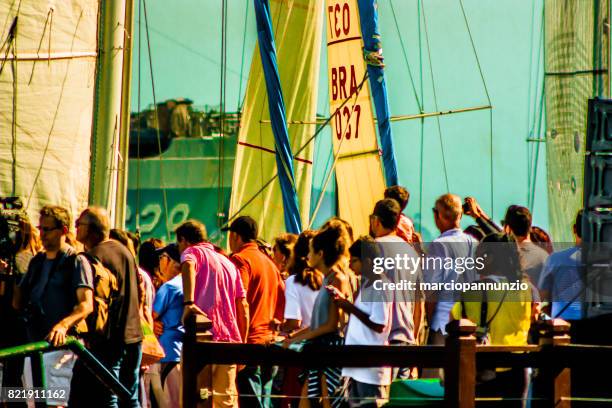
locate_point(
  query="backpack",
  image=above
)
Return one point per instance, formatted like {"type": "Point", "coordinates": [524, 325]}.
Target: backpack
{"type": "Point", "coordinates": [106, 291]}
{"type": "Point", "coordinates": [483, 335]}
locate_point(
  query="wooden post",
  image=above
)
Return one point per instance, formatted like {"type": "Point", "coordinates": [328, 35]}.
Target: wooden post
{"type": "Point", "coordinates": [460, 369]}
{"type": "Point", "coordinates": [555, 379]}
{"type": "Point", "coordinates": [193, 359]}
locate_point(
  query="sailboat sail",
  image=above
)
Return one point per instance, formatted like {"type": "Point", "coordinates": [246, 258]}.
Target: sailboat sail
{"type": "Point", "coordinates": [356, 154]}
{"type": "Point", "coordinates": [276, 104]}
{"type": "Point", "coordinates": [297, 26]}
{"type": "Point", "coordinates": [47, 62]}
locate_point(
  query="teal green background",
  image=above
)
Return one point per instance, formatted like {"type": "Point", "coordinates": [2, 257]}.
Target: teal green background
{"type": "Point", "coordinates": [185, 39]}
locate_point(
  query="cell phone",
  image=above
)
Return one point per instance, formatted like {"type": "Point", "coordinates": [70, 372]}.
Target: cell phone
{"type": "Point", "coordinates": [334, 291]}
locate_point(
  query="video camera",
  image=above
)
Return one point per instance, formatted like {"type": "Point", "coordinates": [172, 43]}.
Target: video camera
{"type": "Point", "coordinates": [11, 213]}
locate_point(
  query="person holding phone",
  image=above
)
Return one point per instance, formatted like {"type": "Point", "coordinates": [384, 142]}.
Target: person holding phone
{"type": "Point", "coordinates": [327, 248]}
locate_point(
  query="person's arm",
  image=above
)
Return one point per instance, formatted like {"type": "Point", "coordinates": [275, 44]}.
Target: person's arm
{"type": "Point", "coordinates": [292, 314]}
{"type": "Point", "coordinates": [158, 327]}
{"type": "Point", "coordinates": [488, 226]}
{"type": "Point", "coordinates": [242, 317]}
{"type": "Point", "coordinates": [482, 219]}
{"type": "Point", "coordinates": [20, 289]}
{"type": "Point", "coordinates": [545, 285]}
{"type": "Point", "coordinates": [290, 325]}
{"type": "Point", "coordinates": [331, 325]}
{"type": "Point", "coordinates": [84, 306]}
{"type": "Point", "coordinates": [18, 298]}
{"type": "Point", "coordinates": [279, 310]}
{"type": "Point", "coordinates": [348, 307]}
{"type": "Point", "coordinates": [244, 271]}
{"type": "Point", "coordinates": [188, 275]}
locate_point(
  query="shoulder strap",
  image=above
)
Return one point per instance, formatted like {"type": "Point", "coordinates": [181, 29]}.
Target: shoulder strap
{"type": "Point", "coordinates": [92, 259]}
{"type": "Point", "coordinates": [484, 310]}
{"type": "Point", "coordinates": [496, 310]}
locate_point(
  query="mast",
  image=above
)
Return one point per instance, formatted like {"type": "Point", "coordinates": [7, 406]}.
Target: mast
{"type": "Point", "coordinates": [111, 110]}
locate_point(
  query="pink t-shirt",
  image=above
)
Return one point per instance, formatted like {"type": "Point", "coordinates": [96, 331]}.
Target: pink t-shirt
{"type": "Point", "coordinates": [405, 228]}
{"type": "Point", "coordinates": [217, 286]}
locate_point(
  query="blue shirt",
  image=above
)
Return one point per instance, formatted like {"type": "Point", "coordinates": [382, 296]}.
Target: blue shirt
{"type": "Point", "coordinates": [452, 244]}
{"type": "Point", "coordinates": [168, 306]}
{"type": "Point", "coordinates": [562, 279]}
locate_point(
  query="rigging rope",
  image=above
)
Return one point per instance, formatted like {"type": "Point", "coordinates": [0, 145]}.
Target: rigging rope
{"type": "Point", "coordinates": [14, 123]}
{"type": "Point", "coordinates": [535, 124]}
{"type": "Point", "coordinates": [301, 149]}
{"type": "Point", "coordinates": [220, 198]}
{"type": "Point", "coordinates": [484, 83]}
{"type": "Point", "coordinates": [337, 154]}
{"type": "Point", "coordinates": [161, 163]}
{"type": "Point", "coordinates": [138, 128]}
{"type": "Point", "coordinates": [435, 97]}
{"type": "Point", "coordinates": [416, 96]}
{"type": "Point", "coordinates": [55, 115]}
{"type": "Point", "coordinates": [422, 152]}
{"type": "Point", "coordinates": [246, 17]}
{"type": "Point", "coordinates": [11, 43]}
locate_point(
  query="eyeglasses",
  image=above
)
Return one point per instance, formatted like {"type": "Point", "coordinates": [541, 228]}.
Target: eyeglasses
{"type": "Point", "coordinates": [79, 223]}
{"type": "Point", "coordinates": [47, 229]}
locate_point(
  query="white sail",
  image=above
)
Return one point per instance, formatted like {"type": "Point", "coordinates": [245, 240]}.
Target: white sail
{"type": "Point", "coordinates": [48, 59]}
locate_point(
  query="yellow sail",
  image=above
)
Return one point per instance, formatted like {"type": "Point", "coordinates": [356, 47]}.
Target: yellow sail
{"type": "Point", "coordinates": [357, 156]}
{"type": "Point", "coordinates": [298, 28]}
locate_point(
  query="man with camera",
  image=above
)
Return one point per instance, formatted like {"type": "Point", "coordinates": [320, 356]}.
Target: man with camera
{"type": "Point", "coordinates": [56, 292]}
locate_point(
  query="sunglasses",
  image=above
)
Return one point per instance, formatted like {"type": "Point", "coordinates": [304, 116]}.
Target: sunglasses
{"type": "Point", "coordinates": [47, 229]}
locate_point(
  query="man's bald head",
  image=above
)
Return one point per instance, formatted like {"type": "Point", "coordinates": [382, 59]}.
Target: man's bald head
{"type": "Point", "coordinates": [448, 212]}
{"type": "Point", "coordinates": [97, 222]}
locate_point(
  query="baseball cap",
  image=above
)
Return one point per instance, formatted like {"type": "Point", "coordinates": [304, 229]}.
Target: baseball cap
{"type": "Point", "coordinates": [171, 250]}
{"type": "Point", "coordinates": [244, 226]}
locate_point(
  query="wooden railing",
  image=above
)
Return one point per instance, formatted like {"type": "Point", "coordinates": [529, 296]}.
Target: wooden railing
{"type": "Point", "coordinates": [459, 357]}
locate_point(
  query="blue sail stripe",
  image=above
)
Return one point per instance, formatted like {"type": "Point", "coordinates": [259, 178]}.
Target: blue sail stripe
{"type": "Point", "coordinates": [368, 16]}
{"type": "Point", "coordinates": [276, 105]}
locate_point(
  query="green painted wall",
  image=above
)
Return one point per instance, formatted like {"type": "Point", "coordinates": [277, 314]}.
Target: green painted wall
{"type": "Point", "coordinates": [186, 46]}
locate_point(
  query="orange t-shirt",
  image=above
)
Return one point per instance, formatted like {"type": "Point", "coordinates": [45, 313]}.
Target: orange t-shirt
{"type": "Point", "coordinates": [265, 291]}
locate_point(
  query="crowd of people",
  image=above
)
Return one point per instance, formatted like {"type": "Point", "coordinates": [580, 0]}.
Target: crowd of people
{"type": "Point", "coordinates": [103, 285]}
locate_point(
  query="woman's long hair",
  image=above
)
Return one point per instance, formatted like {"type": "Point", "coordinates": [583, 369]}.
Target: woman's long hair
{"type": "Point", "coordinates": [502, 256]}
{"type": "Point", "coordinates": [28, 237]}
{"type": "Point", "coordinates": [304, 275]}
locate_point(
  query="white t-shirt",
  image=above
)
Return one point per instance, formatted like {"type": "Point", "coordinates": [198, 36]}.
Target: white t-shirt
{"type": "Point", "coordinates": [359, 334]}
{"type": "Point", "coordinates": [299, 300]}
